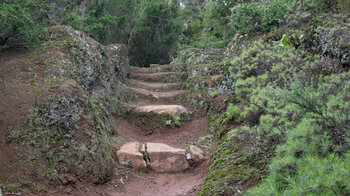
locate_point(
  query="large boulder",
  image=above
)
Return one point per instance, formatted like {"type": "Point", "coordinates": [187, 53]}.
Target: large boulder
{"type": "Point", "coordinates": [130, 155]}
{"type": "Point", "coordinates": [164, 158]}
{"type": "Point", "coordinates": [71, 124]}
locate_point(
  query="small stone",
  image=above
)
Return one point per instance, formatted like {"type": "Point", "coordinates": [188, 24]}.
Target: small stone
{"type": "Point", "coordinates": [196, 153]}
{"type": "Point", "coordinates": [64, 180]}
{"type": "Point", "coordinates": [129, 155]}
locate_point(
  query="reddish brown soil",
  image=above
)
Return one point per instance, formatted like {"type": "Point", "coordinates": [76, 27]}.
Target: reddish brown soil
{"type": "Point", "coordinates": [157, 95]}
{"type": "Point", "coordinates": [180, 184]}
{"type": "Point", "coordinates": [134, 183]}
{"type": "Point", "coordinates": [185, 183]}
{"type": "Point", "coordinates": [128, 182]}
{"type": "Point", "coordinates": [16, 97]}
{"type": "Point", "coordinates": [188, 133]}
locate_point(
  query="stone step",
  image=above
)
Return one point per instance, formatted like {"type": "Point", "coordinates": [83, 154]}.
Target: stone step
{"type": "Point", "coordinates": [160, 157]}
{"type": "Point", "coordinates": [157, 86]}
{"type": "Point", "coordinates": [163, 158]}
{"type": "Point", "coordinates": [168, 77]}
{"type": "Point", "coordinates": [133, 69]}
{"type": "Point", "coordinates": [159, 97]}
{"type": "Point", "coordinates": [130, 155]}
{"type": "Point", "coordinates": [159, 68]}
{"type": "Point", "coordinates": [168, 68]}
{"type": "Point", "coordinates": [161, 109]}
{"type": "Point", "coordinates": [151, 117]}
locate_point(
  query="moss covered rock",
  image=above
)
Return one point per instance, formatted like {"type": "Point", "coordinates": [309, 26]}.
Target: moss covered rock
{"type": "Point", "coordinates": [70, 126]}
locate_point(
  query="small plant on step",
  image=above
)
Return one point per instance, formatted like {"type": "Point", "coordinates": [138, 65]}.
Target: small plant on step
{"type": "Point", "coordinates": [177, 120]}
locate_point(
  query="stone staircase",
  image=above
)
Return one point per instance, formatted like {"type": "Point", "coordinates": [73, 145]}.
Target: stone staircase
{"type": "Point", "coordinates": [157, 88]}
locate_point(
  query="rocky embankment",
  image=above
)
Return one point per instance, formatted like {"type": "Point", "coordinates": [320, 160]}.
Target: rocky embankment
{"type": "Point", "coordinates": [69, 128]}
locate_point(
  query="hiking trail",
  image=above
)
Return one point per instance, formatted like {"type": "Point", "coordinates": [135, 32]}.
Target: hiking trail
{"type": "Point", "coordinates": [163, 160]}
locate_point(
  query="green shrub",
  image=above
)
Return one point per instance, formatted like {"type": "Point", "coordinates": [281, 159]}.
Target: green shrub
{"type": "Point", "coordinates": [246, 16]}
{"type": "Point", "coordinates": [18, 27]}
{"type": "Point", "coordinates": [316, 150]}
{"type": "Point", "coordinates": [344, 6]}
{"type": "Point", "coordinates": [96, 21]}
{"type": "Point", "coordinates": [259, 16]}
{"type": "Point", "coordinates": [233, 113]}
{"type": "Point", "coordinates": [296, 131]}
{"type": "Point", "coordinates": [74, 20]}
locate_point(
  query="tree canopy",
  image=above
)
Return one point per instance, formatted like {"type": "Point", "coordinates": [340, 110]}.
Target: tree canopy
{"type": "Point", "coordinates": [17, 25]}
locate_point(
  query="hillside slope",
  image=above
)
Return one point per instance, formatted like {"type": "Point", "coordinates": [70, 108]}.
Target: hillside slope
{"type": "Point", "coordinates": [286, 127]}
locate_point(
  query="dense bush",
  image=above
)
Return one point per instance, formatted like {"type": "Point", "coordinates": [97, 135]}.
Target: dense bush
{"type": "Point", "coordinates": [96, 22]}
{"type": "Point", "coordinates": [316, 151]}
{"type": "Point", "coordinates": [259, 16]}
{"type": "Point", "coordinates": [295, 135]}
{"type": "Point", "coordinates": [18, 27]}
{"type": "Point", "coordinates": [344, 5]}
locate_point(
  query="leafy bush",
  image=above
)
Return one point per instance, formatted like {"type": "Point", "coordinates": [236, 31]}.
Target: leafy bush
{"type": "Point", "coordinates": [317, 149]}
{"type": "Point", "coordinates": [259, 16]}
{"type": "Point", "coordinates": [246, 16]}
{"type": "Point", "coordinates": [74, 20]}
{"type": "Point", "coordinates": [308, 120]}
{"type": "Point", "coordinates": [268, 66]}
{"type": "Point", "coordinates": [18, 27]}
{"type": "Point", "coordinates": [96, 21]}
{"type": "Point", "coordinates": [296, 126]}
{"type": "Point", "coordinates": [344, 6]}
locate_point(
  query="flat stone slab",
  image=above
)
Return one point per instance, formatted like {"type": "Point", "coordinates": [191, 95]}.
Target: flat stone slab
{"type": "Point", "coordinates": [157, 85]}
{"type": "Point", "coordinates": [129, 155]}
{"type": "Point", "coordinates": [171, 67]}
{"type": "Point", "coordinates": [140, 69]}
{"type": "Point", "coordinates": [169, 77]}
{"type": "Point", "coordinates": [161, 109]}
{"type": "Point", "coordinates": [157, 95]}
{"type": "Point", "coordinates": [164, 158]}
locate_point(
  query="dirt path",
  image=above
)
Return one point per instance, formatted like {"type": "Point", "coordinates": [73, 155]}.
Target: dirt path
{"type": "Point", "coordinates": [17, 96]}
{"type": "Point", "coordinates": [184, 183]}
{"type": "Point", "coordinates": [187, 134]}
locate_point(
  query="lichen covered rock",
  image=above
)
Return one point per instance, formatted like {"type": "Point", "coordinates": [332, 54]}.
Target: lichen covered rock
{"type": "Point", "coordinates": [333, 40]}
{"type": "Point", "coordinates": [70, 127]}
{"type": "Point", "coordinates": [196, 56]}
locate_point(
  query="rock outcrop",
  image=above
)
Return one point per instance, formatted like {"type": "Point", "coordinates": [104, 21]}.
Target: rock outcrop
{"type": "Point", "coordinates": [333, 41]}
{"type": "Point", "coordinates": [71, 124]}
